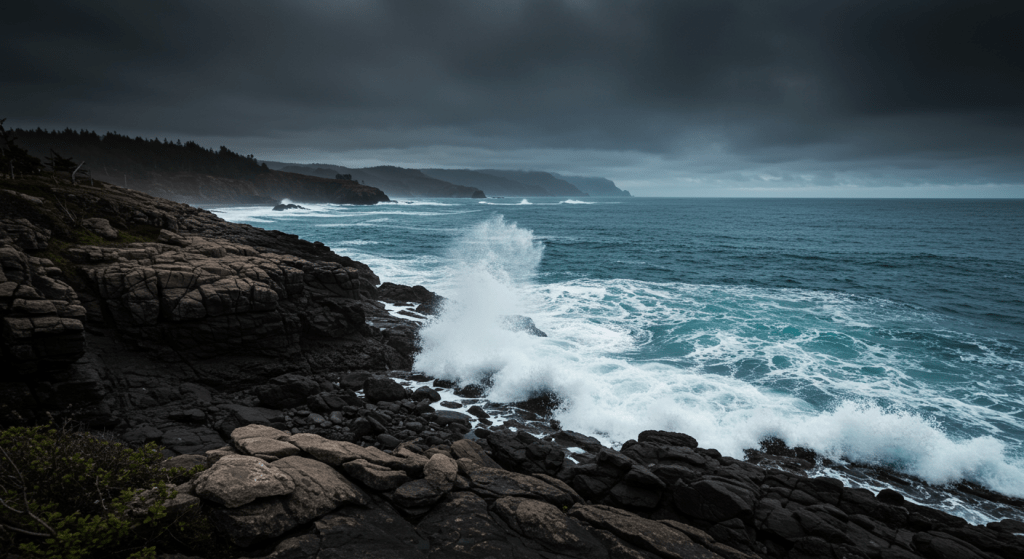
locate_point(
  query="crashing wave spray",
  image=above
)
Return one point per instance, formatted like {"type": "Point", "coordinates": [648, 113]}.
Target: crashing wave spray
{"type": "Point", "coordinates": [469, 341]}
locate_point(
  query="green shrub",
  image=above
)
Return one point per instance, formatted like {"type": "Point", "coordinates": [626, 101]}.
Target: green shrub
{"type": "Point", "coordinates": [73, 495]}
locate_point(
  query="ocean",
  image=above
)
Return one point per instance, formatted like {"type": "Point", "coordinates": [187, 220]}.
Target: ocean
{"type": "Point", "coordinates": [882, 332]}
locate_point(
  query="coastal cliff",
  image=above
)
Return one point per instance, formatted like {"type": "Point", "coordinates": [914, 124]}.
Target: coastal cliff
{"type": "Point", "coordinates": [186, 172]}
{"type": "Point", "coordinates": [275, 364]}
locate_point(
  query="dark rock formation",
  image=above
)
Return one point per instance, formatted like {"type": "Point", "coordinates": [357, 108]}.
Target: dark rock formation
{"type": "Point", "coordinates": [283, 207]}
{"type": "Point", "coordinates": [189, 331]}
{"type": "Point", "coordinates": [168, 311]}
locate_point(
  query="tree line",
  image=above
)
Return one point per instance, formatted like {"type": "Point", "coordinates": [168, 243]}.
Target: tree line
{"type": "Point", "coordinates": [112, 154]}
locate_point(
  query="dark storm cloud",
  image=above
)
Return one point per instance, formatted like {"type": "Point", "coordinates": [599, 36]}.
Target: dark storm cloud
{"type": "Point", "coordinates": [926, 91]}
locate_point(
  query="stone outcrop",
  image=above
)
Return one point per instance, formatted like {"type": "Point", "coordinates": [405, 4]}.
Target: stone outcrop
{"type": "Point", "coordinates": [166, 308]}
{"type": "Point", "coordinates": [420, 501]}
{"type": "Point", "coordinates": [42, 316]}
{"type": "Point", "coordinates": [261, 356]}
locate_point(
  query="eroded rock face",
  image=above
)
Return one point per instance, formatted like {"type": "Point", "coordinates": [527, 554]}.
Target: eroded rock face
{"type": "Point", "coordinates": [41, 317]}
{"type": "Point", "coordinates": [645, 534]}
{"type": "Point", "coordinates": [101, 227]}
{"type": "Point", "coordinates": [211, 296]}
{"type": "Point", "coordinates": [544, 523]}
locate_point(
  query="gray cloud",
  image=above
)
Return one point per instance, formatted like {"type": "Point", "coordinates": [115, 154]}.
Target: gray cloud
{"type": "Point", "coordinates": [818, 94]}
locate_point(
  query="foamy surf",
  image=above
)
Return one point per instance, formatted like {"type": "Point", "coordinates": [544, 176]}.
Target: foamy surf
{"type": "Point", "coordinates": [727, 365]}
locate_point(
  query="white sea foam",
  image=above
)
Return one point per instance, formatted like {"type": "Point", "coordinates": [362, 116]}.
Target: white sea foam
{"type": "Point", "coordinates": [259, 214]}
{"type": "Point", "coordinates": [575, 202]}
{"type": "Point", "coordinates": [731, 365]}
{"type": "Point", "coordinates": [420, 202]}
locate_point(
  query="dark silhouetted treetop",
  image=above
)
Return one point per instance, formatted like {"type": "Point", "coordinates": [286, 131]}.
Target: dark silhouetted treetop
{"type": "Point", "coordinates": [117, 153]}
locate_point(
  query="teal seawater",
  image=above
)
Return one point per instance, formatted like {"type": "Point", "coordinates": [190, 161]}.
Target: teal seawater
{"type": "Point", "coordinates": [882, 331]}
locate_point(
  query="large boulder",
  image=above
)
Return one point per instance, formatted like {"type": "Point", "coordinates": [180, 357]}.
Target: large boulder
{"type": "Point", "coordinates": [379, 388]}
{"type": "Point", "coordinates": [318, 490]}
{"type": "Point", "coordinates": [237, 480]}
{"type": "Point", "coordinates": [287, 391]}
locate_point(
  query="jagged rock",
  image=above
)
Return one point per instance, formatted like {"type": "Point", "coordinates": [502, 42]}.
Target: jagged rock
{"type": "Point", "coordinates": [318, 489]}
{"type": "Point", "coordinates": [414, 496]}
{"type": "Point", "coordinates": [337, 453]}
{"type": "Point", "coordinates": [634, 497]}
{"type": "Point", "coordinates": [382, 389]}
{"type": "Point", "coordinates": [101, 227]}
{"type": "Point", "coordinates": [522, 451]}
{"type": "Point", "coordinates": [171, 238]}
{"type": "Point", "coordinates": [713, 500]}
{"type": "Point", "coordinates": [466, 449]}
{"type": "Point", "coordinates": [426, 393]}
{"type": "Point", "coordinates": [667, 438]}
{"type": "Point", "coordinates": [367, 426]}
{"type": "Point", "coordinates": [287, 391]}
{"type": "Point", "coordinates": [326, 402]}
{"type": "Point", "coordinates": [447, 417]}
{"type": "Point", "coordinates": [492, 482]}
{"type": "Point", "coordinates": [183, 499]}
{"type": "Point", "coordinates": [396, 293]}
{"type": "Point", "coordinates": [24, 234]}
{"type": "Point", "coordinates": [462, 527]}
{"type": "Point", "coordinates": [373, 533]}
{"type": "Point", "coordinates": [376, 477]}
{"type": "Point", "coordinates": [572, 438]}
{"type": "Point", "coordinates": [266, 446]}
{"type": "Point", "coordinates": [236, 480]}
{"type": "Point", "coordinates": [549, 526]}
{"type": "Point", "coordinates": [646, 534]}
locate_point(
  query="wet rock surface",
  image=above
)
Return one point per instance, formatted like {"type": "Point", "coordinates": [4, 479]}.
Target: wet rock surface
{"type": "Point", "coordinates": [272, 361]}
{"type": "Point", "coordinates": [454, 500]}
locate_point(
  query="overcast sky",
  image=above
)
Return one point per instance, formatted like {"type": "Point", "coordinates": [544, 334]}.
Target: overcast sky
{"type": "Point", "coordinates": [719, 97]}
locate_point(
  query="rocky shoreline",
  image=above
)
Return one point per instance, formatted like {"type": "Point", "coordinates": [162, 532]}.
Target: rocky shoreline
{"type": "Point", "coordinates": [273, 360]}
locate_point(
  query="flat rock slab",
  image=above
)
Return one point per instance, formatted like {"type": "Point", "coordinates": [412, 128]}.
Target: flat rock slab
{"type": "Point", "coordinates": [646, 534]}
{"type": "Point", "coordinates": [337, 453]}
{"type": "Point", "coordinates": [254, 431]}
{"type": "Point", "coordinates": [266, 446]}
{"type": "Point", "coordinates": [237, 480]}
{"type": "Point", "coordinates": [374, 476]}
{"type": "Point", "coordinates": [502, 483]}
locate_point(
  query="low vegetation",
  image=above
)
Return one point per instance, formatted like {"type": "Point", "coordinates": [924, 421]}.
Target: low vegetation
{"type": "Point", "coordinates": [73, 495]}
